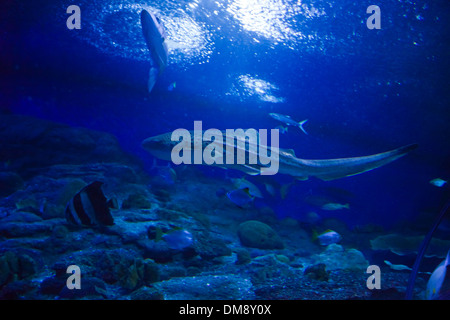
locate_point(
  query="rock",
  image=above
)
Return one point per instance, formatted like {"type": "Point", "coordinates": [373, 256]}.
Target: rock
{"type": "Point", "coordinates": [16, 290]}
{"type": "Point", "coordinates": [130, 231]}
{"type": "Point", "coordinates": [10, 182]}
{"type": "Point", "coordinates": [208, 247]}
{"type": "Point", "coordinates": [29, 143]}
{"type": "Point", "coordinates": [335, 258]}
{"type": "Point", "coordinates": [146, 293]}
{"type": "Point", "coordinates": [317, 272]}
{"type": "Point", "coordinates": [113, 266]}
{"type": "Point", "coordinates": [151, 272]}
{"type": "Point", "coordinates": [243, 256]}
{"type": "Point", "coordinates": [15, 266]}
{"type": "Point", "coordinates": [90, 287]}
{"type": "Point", "coordinates": [52, 285]}
{"type": "Point", "coordinates": [282, 258]}
{"type": "Point", "coordinates": [60, 232]}
{"type": "Point", "coordinates": [22, 229]}
{"type": "Point", "coordinates": [268, 267]}
{"type": "Point", "coordinates": [256, 234]}
{"type": "Point", "coordinates": [158, 251]}
{"type": "Point", "coordinates": [217, 287]}
{"type": "Point", "coordinates": [19, 216]}
{"type": "Point", "coordinates": [289, 223]}
{"type": "Point", "coordinates": [136, 201]}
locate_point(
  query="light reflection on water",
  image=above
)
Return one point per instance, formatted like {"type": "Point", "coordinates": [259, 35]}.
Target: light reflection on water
{"type": "Point", "coordinates": [114, 27]}
{"type": "Point", "coordinates": [277, 20]}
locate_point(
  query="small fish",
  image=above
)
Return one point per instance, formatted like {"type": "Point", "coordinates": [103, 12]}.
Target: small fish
{"type": "Point", "coordinates": [437, 279]}
{"type": "Point", "coordinates": [438, 182]}
{"type": "Point", "coordinates": [397, 267]}
{"type": "Point", "coordinates": [328, 237]}
{"type": "Point", "coordinates": [311, 217]}
{"type": "Point", "coordinates": [240, 197]}
{"type": "Point", "coordinates": [288, 121]}
{"type": "Point", "coordinates": [244, 183]}
{"type": "Point", "coordinates": [335, 206]}
{"type": "Point", "coordinates": [282, 129]}
{"type": "Point", "coordinates": [163, 175]}
{"type": "Point", "coordinates": [178, 239]}
{"type": "Point", "coordinates": [89, 207]}
{"type": "Point", "coordinates": [172, 86]}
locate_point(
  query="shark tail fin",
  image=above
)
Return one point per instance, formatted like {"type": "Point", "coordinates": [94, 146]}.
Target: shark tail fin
{"type": "Point", "coordinates": [339, 168]}
{"type": "Point", "coordinates": [152, 75]}
{"type": "Point", "coordinates": [300, 125]}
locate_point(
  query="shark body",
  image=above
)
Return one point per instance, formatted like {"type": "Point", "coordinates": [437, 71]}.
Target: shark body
{"type": "Point", "coordinates": [161, 147]}
{"type": "Point", "coordinates": [154, 36]}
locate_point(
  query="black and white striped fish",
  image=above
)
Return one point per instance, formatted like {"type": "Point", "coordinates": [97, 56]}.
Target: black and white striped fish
{"type": "Point", "coordinates": [89, 207]}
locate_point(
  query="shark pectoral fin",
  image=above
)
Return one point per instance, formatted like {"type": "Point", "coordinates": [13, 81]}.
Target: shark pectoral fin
{"type": "Point", "coordinates": [291, 151]}
{"type": "Point", "coordinates": [300, 125]}
{"type": "Point", "coordinates": [301, 178]}
{"type": "Point", "coordinates": [339, 168]}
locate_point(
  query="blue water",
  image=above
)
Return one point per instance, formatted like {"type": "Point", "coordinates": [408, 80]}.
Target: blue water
{"type": "Point", "coordinates": [363, 91]}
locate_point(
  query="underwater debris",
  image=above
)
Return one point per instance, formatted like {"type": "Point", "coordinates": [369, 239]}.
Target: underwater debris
{"type": "Point", "coordinates": [89, 207]}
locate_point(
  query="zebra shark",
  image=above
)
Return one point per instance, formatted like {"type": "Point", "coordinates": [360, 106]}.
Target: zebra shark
{"type": "Point", "coordinates": [161, 147]}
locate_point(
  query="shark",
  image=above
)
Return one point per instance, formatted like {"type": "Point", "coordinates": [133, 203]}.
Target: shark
{"type": "Point", "coordinates": [155, 36]}
{"type": "Point", "coordinates": [289, 121]}
{"type": "Point", "coordinates": [161, 146]}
